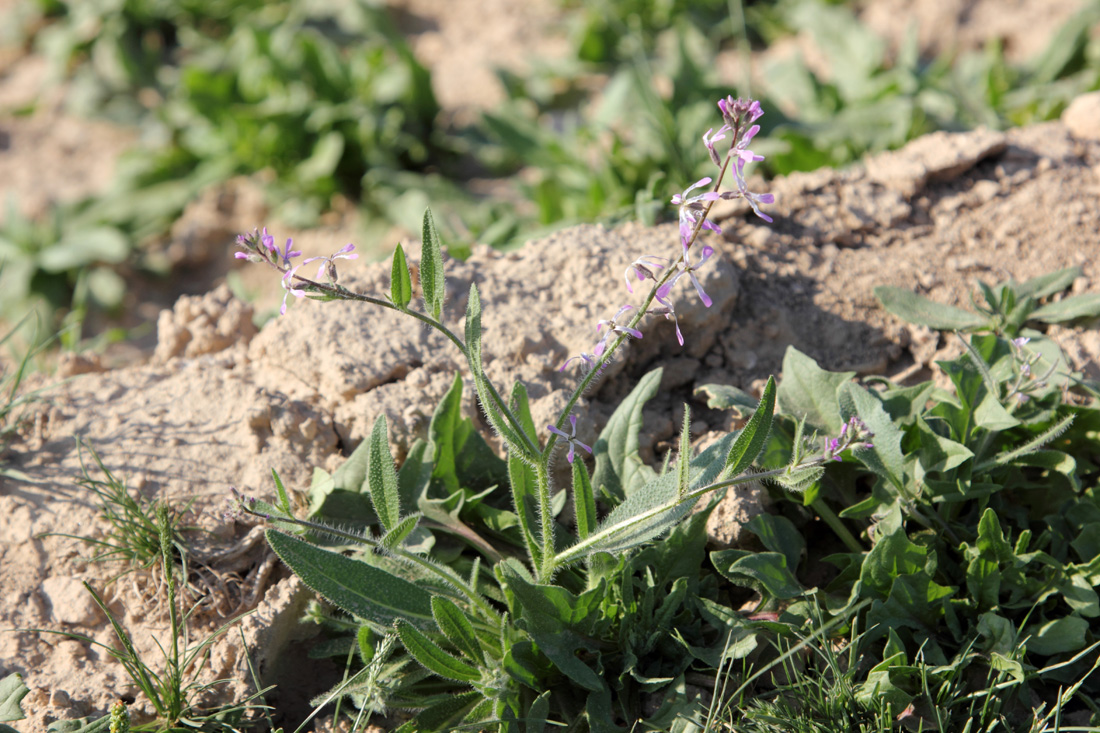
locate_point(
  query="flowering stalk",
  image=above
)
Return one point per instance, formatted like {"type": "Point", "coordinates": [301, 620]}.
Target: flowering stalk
{"type": "Point", "coordinates": [738, 117]}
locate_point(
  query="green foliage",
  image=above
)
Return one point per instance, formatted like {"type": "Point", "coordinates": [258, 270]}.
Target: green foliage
{"type": "Point", "coordinates": [1007, 307]}
{"type": "Point", "coordinates": [171, 690]}
{"type": "Point", "coordinates": [136, 525]}
{"type": "Point", "coordinates": [579, 650]}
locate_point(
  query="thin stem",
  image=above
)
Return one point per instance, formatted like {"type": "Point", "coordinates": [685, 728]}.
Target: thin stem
{"type": "Point", "coordinates": [345, 294]}
{"type": "Point", "coordinates": [642, 309]}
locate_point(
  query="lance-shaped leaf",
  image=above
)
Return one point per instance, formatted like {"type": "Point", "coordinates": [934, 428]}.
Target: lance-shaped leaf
{"type": "Point", "coordinates": [885, 458]}
{"type": "Point", "coordinates": [584, 500]}
{"type": "Point", "coordinates": [651, 510]}
{"type": "Point", "coordinates": [400, 532]}
{"type": "Point", "coordinates": [400, 282]}
{"type": "Point", "coordinates": [473, 330]}
{"type": "Point", "coordinates": [1069, 309]}
{"type": "Point", "coordinates": [434, 659]}
{"type": "Point", "coordinates": [909, 306]}
{"type": "Point", "coordinates": [431, 267]}
{"type": "Point", "coordinates": [444, 716]}
{"type": "Point", "coordinates": [360, 589]}
{"type": "Point", "coordinates": [1049, 284]}
{"type": "Point", "coordinates": [382, 477]}
{"type": "Point", "coordinates": [619, 470]}
{"type": "Point", "coordinates": [767, 572]}
{"type": "Point", "coordinates": [457, 628]}
{"type": "Point", "coordinates": [750, 441]}
{"type": "Point", "coordinates": [522, 478]}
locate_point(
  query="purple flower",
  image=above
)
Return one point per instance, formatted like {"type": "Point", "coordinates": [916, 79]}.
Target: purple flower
{"type": "Point", "coordinates": [329, 264]}
{"type": "Point", "coordinates": [288, 289]}
{"type": "Point", "coordinates": [691, 209]}
{"type": "Point", "coordinates": [754, 199]}
{"type": "Point", "coordinates": [642, 269]}
{"type": "Point", "coordinates": [587, 358]}
{"type": "Point", "coordinates": [686, 268]}
{"type": "Point", "coordinates": [614, 327]}
{"type": "Point", "coordinates": [734, 111]}
{"type": "Point", "coordinates": [570, 438]}
{"type": "Point", "coordinates": [666, 308]}
{"type": "Point", "coordinates": [286, 255]}
{"type": "Point", "coordinates": [709, 141]}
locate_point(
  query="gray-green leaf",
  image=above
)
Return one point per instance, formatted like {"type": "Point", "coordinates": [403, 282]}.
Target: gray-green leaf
{"type": "Point", "coordinates": [909, 306]}
{"type": "Point", "coordinates": [354, 586]}
{"type": "Point", "coordinates": [457, 628]}
{"type": "Point", "coordinates": [382, 477]}
{"type": "Point", "coordinates": [432, 282]}
{"type": "Point", "coordinates": [434, 659]}
{"type": "Point", "coordinates": [400, 282]}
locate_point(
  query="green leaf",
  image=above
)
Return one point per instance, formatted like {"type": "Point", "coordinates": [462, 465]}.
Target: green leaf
{"type": "Point", "coordinates": [12, 692]}
{"type": "Point", "coordinates": [85, 247]}
{"type": "Point", "coordinates": [521, 478]}
{"type": "Point", "coordinates": [885, 458]}
{"type": "Point", "coordinates": [909, 306]}
{"type": "Point", "coordinates": [431, 657]}
{"type": "Point", "coordinates": [766, 572]}
{"type": "Point", "coordinates": [753, 436]}
{"type": "Point", "coordinates": [559, 622]}
{"type": "Point", "coordinates": [360, 589]}
{"type": "Point", "coordinates": [658, 501]}
{"type": "Point", "coordinates": [400, 532]}
{"type": "Point", "coordinates": [1066, 634]}
{"type": "Point", "coordinates": [444, 716]}
{"type": "Point", "coordinates": [939, 453]}
{"type": "Point", "coordinates": [382, 477]}
{"type": "Point", "coordinates": [725, 397]}
{"type": "Point", "coordinates": [778, 534]}
{"type": "Point", "coordinates": [1045, 285]}
{"type": "Point", "coordinates": [284, 499]}
{"type": "Point", "coordinates": [400, 282]}
{"type": "Point", "coordinates": [431, 267]}
{"type": "Point", "coordinates": [538, 714]}
{"type": "Point", "coordinates": [457, 628]}
{"type": "Point", "coordinates": [1069, 309]}
{"type": "Point", "coordinates": [473, 330]}
{"type": "Point", "coordinates": [809, 391]}
{"type": "Point", "coordinates": [584, 500]}
{"type": "Point", "coordinates": [619, 470]}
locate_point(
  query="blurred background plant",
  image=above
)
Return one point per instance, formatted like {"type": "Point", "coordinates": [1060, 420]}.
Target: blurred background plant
{"type": "Point", "coordinates": [327, 103]}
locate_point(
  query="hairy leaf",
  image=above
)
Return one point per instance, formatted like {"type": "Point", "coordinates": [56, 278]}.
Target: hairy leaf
{"type": "Point", "coordinates": [1069, 309]}
{"type": "Point", "coordinates": [809, 391]}
{"type": "Point", "coordinates": [909, 306]}
{"type": "Point", "coordinates": [753, 436]}
{"type": "Point", "coordinates": [619, 471]}
{"type": "Point", "coordinates": [400, 282]}
{"type": "Point", "coordinates": [584, 500]}
{"type": "Point", "coordinates": [382, 476]}
{"type": "Point", "coordinates": [354, 586]}
{"type": "Point", "coordinates": [431, 267]}
{"type": "Point", "coordinates": [473, 330]}
{"type": "Point", "coordinates": [431, 657]}
{"type": "Point", "coordinates": [457, 628]}
{"type": "Point", "coordinates": [12, 692]}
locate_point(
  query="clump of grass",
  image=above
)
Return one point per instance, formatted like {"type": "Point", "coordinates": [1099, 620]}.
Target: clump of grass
{"type": "Point", "coordinates": [174, 689]}
{"type": "Point", "coordinates": [136, 524]}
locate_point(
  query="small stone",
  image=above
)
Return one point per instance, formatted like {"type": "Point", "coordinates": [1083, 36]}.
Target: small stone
{"type": "Point", "coordinates": [1082, 117]}
{"type": "Point", "coordinates": [70, 602]}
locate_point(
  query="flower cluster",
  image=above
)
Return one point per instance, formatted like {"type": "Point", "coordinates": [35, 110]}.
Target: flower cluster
{"type": "Point", "coordinates": [738, 126]}
{"type": "Point", "coordinates": [261, 247]}
{"type": "Point", "coordinates": [853, 434]}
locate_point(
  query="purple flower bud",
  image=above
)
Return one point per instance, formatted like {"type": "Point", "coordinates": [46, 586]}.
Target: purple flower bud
{"type": "Point", "coordinates": [328, 263]}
